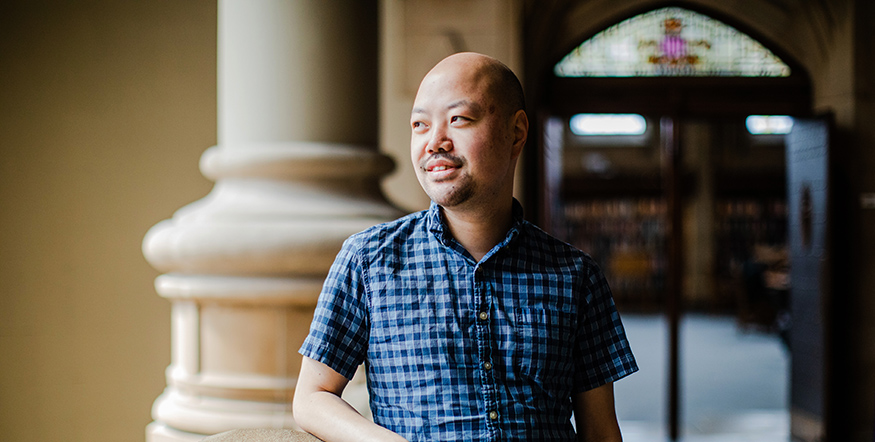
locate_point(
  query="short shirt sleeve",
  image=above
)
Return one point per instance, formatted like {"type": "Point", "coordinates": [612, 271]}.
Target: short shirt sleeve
{"type": "Point", "coordinates": [339, 332]}
{"type": "Point", "coordinates": [603, 354]}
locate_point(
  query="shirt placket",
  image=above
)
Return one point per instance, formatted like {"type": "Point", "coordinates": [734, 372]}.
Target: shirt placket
{"type": "Point", "coordinates": [483, 297]}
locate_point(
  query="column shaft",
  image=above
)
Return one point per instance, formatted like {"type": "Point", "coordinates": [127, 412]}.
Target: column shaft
{"type": "Point", "coordinates": [296, 172]}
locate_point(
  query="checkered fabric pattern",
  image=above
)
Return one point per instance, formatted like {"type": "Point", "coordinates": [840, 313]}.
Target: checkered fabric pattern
{"type": "Point", "coordinates": [460, 350]}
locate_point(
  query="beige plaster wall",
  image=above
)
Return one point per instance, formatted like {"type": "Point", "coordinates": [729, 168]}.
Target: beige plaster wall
{"type": "Point", "coordinates": [105, 109]}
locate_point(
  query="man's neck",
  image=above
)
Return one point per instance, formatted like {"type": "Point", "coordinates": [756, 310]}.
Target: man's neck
{"type": "Point", "coordinates": [478, 231]}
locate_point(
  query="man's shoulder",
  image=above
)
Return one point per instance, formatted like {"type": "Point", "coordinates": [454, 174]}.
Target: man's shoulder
{"type": "Point", "coordinates": [392, 232]}
{"type": "Point", "coordinates": [537, 237]}
{"type": "Point", "coordinates": [543, 244]}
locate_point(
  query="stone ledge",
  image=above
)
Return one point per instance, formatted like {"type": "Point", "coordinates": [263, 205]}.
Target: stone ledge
{"type": "Point", "coordinates": [262, 435]}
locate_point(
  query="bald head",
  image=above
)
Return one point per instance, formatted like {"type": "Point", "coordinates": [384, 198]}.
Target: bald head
{"type": "Point", "coordinates": [468, 127]}
{"type": "Point", "coordinates": [500, 83]}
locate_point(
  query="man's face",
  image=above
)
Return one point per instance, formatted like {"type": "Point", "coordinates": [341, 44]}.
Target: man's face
{"type": "Point", "coordinates": [462, 141]}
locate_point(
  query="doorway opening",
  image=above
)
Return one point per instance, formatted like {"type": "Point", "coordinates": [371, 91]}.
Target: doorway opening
{"type": "Point", "coordinates": [734, 303]}
{"type": "Point", "coordinates": [687, 214]}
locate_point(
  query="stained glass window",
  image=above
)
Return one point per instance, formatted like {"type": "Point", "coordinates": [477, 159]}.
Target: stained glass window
{"type": "Point", "coordinates": [671, 42]}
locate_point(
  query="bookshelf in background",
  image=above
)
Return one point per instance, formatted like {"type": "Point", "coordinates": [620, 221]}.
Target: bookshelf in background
{"type": "Point", "coordinates": [626, 237]}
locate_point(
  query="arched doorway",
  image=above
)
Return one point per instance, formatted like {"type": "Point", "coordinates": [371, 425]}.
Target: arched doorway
{"type": "Point", "coordinates": [697, 169]}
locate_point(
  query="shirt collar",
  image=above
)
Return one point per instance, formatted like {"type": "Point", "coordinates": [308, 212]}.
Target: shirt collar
{"type": "Point", "coordinates": [435, 222]}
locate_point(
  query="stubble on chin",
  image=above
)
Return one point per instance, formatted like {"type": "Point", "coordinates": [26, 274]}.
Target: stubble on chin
{"type": "Point", "coordinates": [455, 195]}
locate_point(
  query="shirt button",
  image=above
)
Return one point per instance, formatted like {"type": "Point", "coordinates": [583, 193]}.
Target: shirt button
{"type": "Point", "coordinates": [483, 316]}
{"type": "Point", "coordinates": [493, 415]}
{"type": "Point", "coordinates": [487, 366]}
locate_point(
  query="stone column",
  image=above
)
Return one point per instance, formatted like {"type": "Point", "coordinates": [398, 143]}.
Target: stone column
{"type": "Point", "coordinates": [296, 172]}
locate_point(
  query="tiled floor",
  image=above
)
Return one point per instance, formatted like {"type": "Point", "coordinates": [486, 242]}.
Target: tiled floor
{"type": "Point", "coordinates": [734, 383]}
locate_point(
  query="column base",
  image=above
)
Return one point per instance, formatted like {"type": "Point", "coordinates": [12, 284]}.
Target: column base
{"type": "Point", "coordinates": [182, 417]}
{"type": "Point", "coordinates": [158, 432]}
{"type": "Point", "coordinates": [210, 415]}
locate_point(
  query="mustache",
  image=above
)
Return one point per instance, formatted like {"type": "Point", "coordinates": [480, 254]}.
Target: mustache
{"type": "Point", "coordinates": [441, 156]}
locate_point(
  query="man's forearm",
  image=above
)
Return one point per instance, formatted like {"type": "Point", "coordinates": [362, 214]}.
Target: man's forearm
{"type": "Point", "coordinates": [595, 416]}
{"type": "Point", "coordinates": [321, 411]}
{"type": "Point", "coordinates": [330, 418]}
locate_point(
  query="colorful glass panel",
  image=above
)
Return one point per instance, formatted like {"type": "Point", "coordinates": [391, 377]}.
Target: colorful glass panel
{"type": "Point", "coordinates": [671, 42]}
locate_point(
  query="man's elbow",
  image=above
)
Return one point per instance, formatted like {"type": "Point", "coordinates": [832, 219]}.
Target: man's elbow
{"type": "Point", "coordinates": [302, 410]}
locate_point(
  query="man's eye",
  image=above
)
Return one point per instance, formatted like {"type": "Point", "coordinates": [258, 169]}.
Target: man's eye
{"type": "Point", "coordinates": [457, 118]}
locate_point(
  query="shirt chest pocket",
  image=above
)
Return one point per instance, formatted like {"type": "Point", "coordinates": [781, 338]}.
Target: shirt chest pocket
{"type": "Point", "coordinates": [543, 345]}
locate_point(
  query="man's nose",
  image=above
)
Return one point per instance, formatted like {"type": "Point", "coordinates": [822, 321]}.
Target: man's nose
{"type": "Point", "coordinates": [439, 141]}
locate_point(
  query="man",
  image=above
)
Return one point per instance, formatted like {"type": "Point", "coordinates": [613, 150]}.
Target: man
{"type": "Point", "coordinates": [473, 323]}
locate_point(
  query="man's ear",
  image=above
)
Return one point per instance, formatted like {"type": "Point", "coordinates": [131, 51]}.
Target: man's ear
{"type": "Point", "coordinates": [520, 131]}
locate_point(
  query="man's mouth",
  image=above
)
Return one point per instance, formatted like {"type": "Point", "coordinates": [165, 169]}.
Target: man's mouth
{"type": "Point", "coordinates": [442, 163]}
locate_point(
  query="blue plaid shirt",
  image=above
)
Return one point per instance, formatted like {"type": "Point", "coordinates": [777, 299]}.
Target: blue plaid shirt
{"type": "Point", "coordinates": [460, 350]}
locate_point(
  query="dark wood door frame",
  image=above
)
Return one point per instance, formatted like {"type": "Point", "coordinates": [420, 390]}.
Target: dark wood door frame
{"type": "Point", "coordinates": [670, 100]}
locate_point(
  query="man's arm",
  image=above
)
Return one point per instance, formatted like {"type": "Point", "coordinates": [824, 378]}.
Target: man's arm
{"type": "Point", "coordinates": [319, 409]}
{"type": "Point", "coordinates": [595, 416]}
